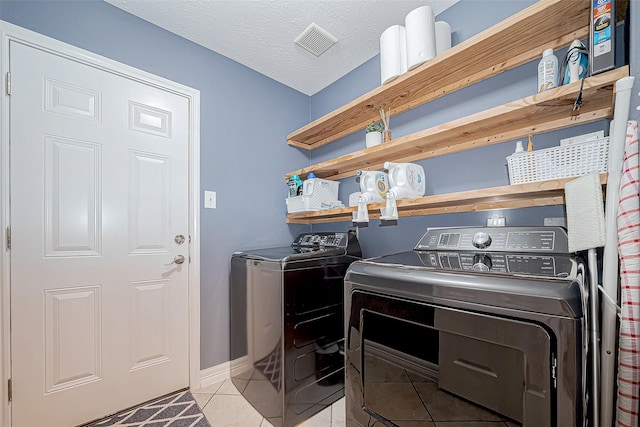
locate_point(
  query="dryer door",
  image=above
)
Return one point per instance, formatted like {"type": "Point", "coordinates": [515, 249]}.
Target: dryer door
{"type": "Point", "coordinates": [501, 364]}
{"type": "Point", "coordinates": [410, 360]}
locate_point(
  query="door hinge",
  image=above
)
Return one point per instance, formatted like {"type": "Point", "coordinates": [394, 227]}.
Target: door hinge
{"type": "Point", "coordinates": [10, 390]}
{"type": "Point", "coordinates": [8, 238]}
{"type": "Point", "coordinates": [8, 83]}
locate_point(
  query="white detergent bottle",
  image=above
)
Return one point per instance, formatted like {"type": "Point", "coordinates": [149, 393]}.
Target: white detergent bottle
{"type": "Point", "coordinates": [374, 186]}
{"type": "Point", "coordinates": [374, 183]}
{"type": "Point", "coordinates": [308, 184]}
{"type": "Point", "coordinates": [547, 71]}
{"type": "Point", "coordinates": [407, 180]}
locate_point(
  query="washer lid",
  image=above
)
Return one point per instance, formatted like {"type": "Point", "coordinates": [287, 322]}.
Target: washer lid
{"type": "Point", "coordinates": [287, 253]}
{"type": "Point", "coordinates": [309, 246]}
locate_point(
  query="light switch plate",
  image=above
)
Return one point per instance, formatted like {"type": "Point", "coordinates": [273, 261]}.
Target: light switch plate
{"type": "Point", "coordinates": [210, 199]}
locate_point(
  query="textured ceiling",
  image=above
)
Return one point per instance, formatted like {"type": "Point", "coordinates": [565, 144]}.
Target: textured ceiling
{"type": "Point", "coordinates": [260, 33]}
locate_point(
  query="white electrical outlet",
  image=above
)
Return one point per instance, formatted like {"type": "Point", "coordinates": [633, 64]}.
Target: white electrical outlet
{"type": "Point", "coordinates": [496, 221]}
{"type": "Point", "coordinates": [555, 221]}
{"type": "Point", "coordinates": [210, 199]}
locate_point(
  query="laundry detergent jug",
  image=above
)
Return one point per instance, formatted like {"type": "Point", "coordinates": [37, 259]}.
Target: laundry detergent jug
{"type": "Point", "coordinates": [406, 180]}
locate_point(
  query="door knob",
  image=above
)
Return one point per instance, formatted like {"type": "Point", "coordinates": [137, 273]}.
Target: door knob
{"type": "Point", "coordinates": [178, 259]}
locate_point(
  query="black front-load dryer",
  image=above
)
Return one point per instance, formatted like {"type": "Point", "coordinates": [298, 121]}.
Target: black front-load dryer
{"type": "Point", "coordinates": [287, 324]}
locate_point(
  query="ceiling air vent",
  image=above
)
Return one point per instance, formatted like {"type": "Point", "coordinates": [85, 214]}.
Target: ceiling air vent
{"type": "Point", "coordinates": [315, 39]}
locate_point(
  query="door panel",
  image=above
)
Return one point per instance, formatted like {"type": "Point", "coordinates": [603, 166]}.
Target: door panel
{"type": "Point", "coordinates": [99, 188]}
{"type": "Point", "coordinates": [149, 214]}
{"type": "Point", "coordinates": [73, 101]}
{"type": "Point", "coordinates": [147, 119]}
{"type": "Point", "coordinates": [72, 338]}
{"type": "Point", "coordinates": [73, 225]}
{"type": "Point", "coordinates": [150, 313]}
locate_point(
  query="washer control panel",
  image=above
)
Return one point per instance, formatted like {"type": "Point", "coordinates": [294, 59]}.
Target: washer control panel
{"type": "Point", "coordinates": [496, 239]}
{"type": "Point", "coordinates": [538, 265]}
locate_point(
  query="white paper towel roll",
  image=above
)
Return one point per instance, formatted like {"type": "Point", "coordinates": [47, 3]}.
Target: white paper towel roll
{"type": "Point", "coordinates": [421, 36]}
{"type": "Point", "coordinates": [443, 36]}
{"type": "Point", "coordinates": [393, 53]}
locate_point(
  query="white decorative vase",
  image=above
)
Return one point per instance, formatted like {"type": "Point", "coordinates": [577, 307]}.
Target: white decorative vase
{"type": "Point", "coordinates": [373, 138]}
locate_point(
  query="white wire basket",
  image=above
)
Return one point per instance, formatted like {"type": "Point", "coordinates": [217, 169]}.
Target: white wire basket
{"type": "Point", "coordinates": [322, 190]}
{"type": "Point", "coordinates": [559, 162]}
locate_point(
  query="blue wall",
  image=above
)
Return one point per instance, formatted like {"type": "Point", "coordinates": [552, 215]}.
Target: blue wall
{"type": "Point", "coordinates": [245, 118]}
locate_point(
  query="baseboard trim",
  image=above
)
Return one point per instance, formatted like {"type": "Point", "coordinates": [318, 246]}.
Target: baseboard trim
{"type": "Point", "coordinates": [220, 372]}
{"type": "Point", "coordinates": [214, 374]}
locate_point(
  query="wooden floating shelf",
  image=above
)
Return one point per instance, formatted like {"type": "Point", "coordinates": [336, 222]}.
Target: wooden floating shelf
{"type": "Point", "coordinates": [539, 113]}
{"type": "Point", "coordinates": [543, 193]}
{"type": "Point", "coordinates": [508, 44]}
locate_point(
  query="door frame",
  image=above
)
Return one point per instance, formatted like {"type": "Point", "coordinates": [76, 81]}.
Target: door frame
{"type": "Point", "coordinates": [10, 32]}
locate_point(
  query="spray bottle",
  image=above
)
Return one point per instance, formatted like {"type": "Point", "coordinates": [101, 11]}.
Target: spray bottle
{"type": "Point", "coordinates": [407, 180]}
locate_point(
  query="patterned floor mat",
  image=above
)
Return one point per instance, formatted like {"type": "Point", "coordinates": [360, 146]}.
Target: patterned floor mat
{"type": "Point", "coordinates": [176, 410]}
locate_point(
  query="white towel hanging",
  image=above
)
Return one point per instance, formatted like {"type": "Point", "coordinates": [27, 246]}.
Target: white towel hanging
{"type": "Point", "coordinates": [628, 401]}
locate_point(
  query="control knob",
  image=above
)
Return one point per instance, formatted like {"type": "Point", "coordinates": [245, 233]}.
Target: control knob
{"type": "Point", "coordinates": [481, 240]}
{"type": "Point", "coordinates": [481, 262]}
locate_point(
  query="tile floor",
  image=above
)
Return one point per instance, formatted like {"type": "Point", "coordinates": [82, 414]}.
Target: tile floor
{"type": "Point", "coordinates": [224, 406]}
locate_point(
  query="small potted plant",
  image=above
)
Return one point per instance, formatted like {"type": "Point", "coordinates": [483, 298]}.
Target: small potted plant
{"type": "Point", "coordinates": [374, 134]}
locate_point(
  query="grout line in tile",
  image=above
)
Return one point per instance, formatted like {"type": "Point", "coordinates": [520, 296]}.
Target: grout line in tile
{"type": "Point", "coordinates": [207, 401]}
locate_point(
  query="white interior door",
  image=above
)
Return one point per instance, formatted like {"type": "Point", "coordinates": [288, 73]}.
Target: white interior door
{"type": "Point", "coordinates": [99, 192]}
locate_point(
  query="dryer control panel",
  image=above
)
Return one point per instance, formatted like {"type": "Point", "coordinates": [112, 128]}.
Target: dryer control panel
{"type": "Point", "coordinates": [308, 240]}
